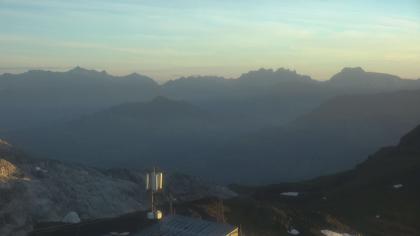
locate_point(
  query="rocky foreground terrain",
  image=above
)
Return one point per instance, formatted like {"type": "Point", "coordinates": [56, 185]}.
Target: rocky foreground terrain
{"type": "Point", "coordinates": [38, 190]}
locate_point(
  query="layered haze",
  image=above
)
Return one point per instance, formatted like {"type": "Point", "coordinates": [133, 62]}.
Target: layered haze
{"type": "Point", "coordinates": [271, 125]}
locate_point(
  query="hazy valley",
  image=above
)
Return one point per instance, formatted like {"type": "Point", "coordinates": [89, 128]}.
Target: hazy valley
{"type": "Point", "coordinates": [83, 139]}
{"type": "Point", "coordinates": [271, 125]}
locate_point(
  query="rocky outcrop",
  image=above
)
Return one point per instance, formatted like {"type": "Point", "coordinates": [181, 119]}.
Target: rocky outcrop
{"type": "Point", "coordinates": [48, 190]}
{"type": "Point", "coordinates": [7, 169]}
{"type": "Point", "coordinates": [37, 190]}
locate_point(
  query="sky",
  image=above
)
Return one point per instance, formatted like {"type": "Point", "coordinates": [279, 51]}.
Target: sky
{"type": "Point", "coordinates": [166, 39]}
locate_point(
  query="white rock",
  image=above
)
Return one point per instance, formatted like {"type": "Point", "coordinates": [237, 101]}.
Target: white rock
{"type": "Point", "coordinates": [72, 218]}
{"type": "Point", "coordinates": [290, 194]}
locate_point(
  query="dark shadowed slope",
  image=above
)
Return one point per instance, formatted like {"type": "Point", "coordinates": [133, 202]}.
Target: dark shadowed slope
{"type": "Point", "coordinates": [273, 97]}
{"type": "Point", "coordinates": [256, 99]}
{"type": "Point", "coordinates": [333, 137]}
{"type": "Point", "coordinates": [378, 197]}
{"type": "Point", "coordinates": [163, 132]}
{"type": "Point", "coordinates": [385, 115]}
{"type": "Point", "coordinates": [40, 97]}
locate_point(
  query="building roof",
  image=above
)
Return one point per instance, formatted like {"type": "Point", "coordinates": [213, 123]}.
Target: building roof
{"type": "Point", "coordinates": [131, 222]}
{"type": "Point", "coordinates": [138, 225]}
{"type": "Point", "coordinates": [186, 226]}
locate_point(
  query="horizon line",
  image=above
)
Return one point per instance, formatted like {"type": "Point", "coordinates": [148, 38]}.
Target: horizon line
{"type": "Point", "coordinates": [70, 68]}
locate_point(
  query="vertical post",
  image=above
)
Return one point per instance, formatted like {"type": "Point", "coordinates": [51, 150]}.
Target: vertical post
{"type": "Point", "coordinates": [152, 201]}
{"type": "Point", "coordinates": [152, 190]}
{"type": "Point", "coordinates": [222, 210]}
{"type": "Point", "coordinates": [171, 207]}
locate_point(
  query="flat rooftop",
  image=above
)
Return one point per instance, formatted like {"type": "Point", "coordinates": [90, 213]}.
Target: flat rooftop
{"type": "Point", "coordinates": [187, 226]}
{"type": "Point", "coordinates": [136, 224]}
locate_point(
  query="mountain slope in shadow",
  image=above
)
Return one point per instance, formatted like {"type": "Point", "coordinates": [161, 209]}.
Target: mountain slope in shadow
{"type": "Point", "coordinates": [335, 136]}
{"type": "Point", "coordinates": [161, 132]}
{"type": "Point", "coordinates": [377, 197]}
{"type": "Point", "coordinates": [47, 96]}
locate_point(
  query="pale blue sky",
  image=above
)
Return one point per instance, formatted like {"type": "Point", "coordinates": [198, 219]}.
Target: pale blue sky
{"type": "Point", "coordinates": [167, 39]}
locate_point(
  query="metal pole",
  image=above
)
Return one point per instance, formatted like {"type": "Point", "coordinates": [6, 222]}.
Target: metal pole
{"type": "Point", "coordinates": [153, 200]}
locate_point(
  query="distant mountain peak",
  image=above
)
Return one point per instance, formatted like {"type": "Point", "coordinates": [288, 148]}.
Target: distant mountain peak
{"type": "Point", "coordinates": [357, 77]}
{"type": "Point", "coordinates": [352, 70]}
{"type": "Point", "coordinates": [77, 69]}
{"type": "Point", "coordinates": [135, 75]}
{"type": "Point", "coordinates": [284, 70]}
{"type": "Point", "coordinates": [271, 75]}
{"type": "Point", "coordinates": [201, 77]}
{"type": "Point", "coordinates": [81, 70]}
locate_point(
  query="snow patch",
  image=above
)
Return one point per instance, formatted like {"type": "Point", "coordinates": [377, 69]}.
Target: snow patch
{"type": "Point", "coordinates": [72, 218]}
{"type": "Point", "coordinates": [119, 234]}
{"type": "Point", "coordinates": [39, 169]}
{"type": "Point", "coordinates": [327, 232]}
{"type": "Point", "coordinates": [293, 232]}
{"type": "Point", "coordinates": [397, 186]}
{"type": "Point", "coordinates": [290, 194]}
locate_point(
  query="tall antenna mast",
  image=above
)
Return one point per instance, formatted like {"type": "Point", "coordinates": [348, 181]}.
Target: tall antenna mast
{"type": "Point", "coordinates": [154, 184]}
